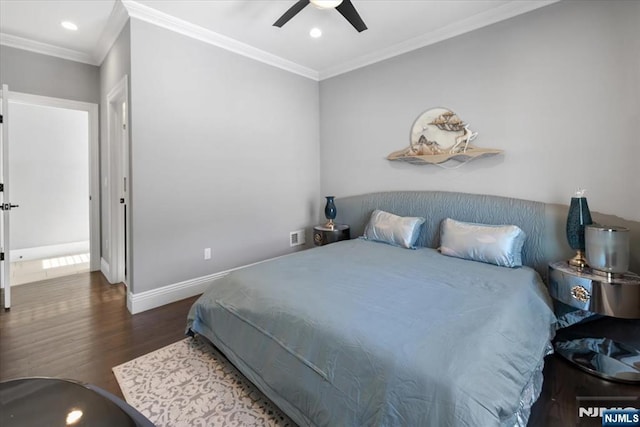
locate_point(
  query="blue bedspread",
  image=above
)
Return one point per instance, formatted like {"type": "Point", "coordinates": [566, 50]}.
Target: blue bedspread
{"type": "Point", "coordinates": [360, 333]}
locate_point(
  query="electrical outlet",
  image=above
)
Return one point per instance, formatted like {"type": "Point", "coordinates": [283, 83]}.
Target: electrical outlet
{"type": "Point", "coordinates": [207, 253]}
{"type": "Point", "coordinates": [296, 238]}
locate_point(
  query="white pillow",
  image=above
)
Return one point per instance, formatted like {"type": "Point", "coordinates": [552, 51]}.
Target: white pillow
{"type": "Point", "coordinates": [494, 244]}
{"type": "Point", "coordinates": [393, 229]}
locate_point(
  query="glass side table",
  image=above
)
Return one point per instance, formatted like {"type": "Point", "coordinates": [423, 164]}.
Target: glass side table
{"type": "Point", "coordinates": [39, 402]}
{"type": "Point", "coordinates": [615, 297]}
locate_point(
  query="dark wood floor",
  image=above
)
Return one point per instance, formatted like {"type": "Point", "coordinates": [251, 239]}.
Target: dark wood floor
{"type": "Point", "coordinates": [78, 327]}
{"type": "Point", "coordinates": [563, 382]}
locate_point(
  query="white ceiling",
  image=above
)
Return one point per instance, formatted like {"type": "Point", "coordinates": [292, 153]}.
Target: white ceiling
{"type": "Point", "coordinates": [395, 26]}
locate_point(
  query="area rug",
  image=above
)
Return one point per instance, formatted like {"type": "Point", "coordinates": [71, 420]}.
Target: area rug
{"type": "Point", "coordinates": [189, 383]}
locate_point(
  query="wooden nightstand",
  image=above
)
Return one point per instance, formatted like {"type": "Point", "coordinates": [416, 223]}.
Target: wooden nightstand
{"type": "Point", "coordinates": [323, 235]}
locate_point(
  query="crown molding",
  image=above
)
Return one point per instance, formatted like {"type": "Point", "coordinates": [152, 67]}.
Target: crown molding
{"type": "Point", "coordinates": [508, 10]}
{"type": "Point", "coordinates": [46, 49]}
{"type": "Point", "coordinates": [123, 9]}
{"type": "Point", "coordinates": [161, 19]}
{"type": "Point", "coordinates": [117, 20]}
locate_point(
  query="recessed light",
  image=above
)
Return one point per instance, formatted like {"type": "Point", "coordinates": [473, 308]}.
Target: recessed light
{"type": "Point", "coordinates": [315, 33]}
{"type": "Point", "coordinates": [69, 25]}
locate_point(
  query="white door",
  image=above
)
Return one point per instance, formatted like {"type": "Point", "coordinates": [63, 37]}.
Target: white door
{"type": "Point", "coordinates": [118, 140]}
{"type": "Point", "coordinates": [5, 203]}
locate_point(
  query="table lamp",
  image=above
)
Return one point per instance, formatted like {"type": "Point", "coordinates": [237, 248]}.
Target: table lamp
{"type": "Point", "coordinates": [579, 216]}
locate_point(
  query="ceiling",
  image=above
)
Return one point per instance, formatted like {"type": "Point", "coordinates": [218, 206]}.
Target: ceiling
{"type": "Point", "coordinates": [395, 26]}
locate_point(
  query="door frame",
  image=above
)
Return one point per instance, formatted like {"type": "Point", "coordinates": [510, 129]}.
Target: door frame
{"type": "Point", "coordinates": [118, 183]}
{"type": "Point", "coordinates": [93, 160]}
{"type": "Point", "coordinates": [5, 265]}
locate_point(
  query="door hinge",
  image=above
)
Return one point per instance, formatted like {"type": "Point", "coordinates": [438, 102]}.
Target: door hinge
{"type": "Point", "coordinates": [1, 256]}
{"type": "Point", "coordinates": [1, 187]}
{"type": "Point", "coordinates": [0, 118]}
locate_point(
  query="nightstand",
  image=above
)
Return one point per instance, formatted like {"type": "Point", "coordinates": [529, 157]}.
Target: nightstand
{"type": "Point", "coordinates": [617, 297]}
{"type": "Point", "coordinates": [323, 235]}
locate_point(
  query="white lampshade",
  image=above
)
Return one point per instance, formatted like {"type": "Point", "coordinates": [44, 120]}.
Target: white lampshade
{"type": "Point", "coordinates": [326, 4]}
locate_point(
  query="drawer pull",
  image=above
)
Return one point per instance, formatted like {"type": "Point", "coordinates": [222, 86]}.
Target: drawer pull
{"type": "Point", "coordinates": [580, 293]}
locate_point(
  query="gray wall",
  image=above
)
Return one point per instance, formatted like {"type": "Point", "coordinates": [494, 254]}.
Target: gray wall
{"type": "Point", "coordinates": [558, 89]}
{"type": "Point", "coordinates": [44, 75]}
{"type": "Point", "coordinates": [224, 154]}
{"type": "Point", "coordinates": [114, 67]}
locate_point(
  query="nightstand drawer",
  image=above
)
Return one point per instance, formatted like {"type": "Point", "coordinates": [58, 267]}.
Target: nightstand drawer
{"type": "Point", "coordinates": [323, 235]}
{"type": "Point", "coordinates": [618, 297]}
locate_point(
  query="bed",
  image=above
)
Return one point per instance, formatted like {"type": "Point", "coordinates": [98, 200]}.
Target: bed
{"type": "Point", "coordinates": [361, 332]}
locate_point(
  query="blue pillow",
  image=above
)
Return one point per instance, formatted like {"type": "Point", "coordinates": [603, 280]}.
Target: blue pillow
{"type": "Point", "coordinates": [494, 244]}
{"type": "Point", "coordinates": [393, 229]}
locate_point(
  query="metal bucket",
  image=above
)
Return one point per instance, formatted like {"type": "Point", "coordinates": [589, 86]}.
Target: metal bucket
{"type": "Point", "coordinates": [607, 249]}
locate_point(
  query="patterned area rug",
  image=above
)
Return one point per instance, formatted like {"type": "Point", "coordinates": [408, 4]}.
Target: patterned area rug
{"type": "Point", "coordinates": [189, 383]}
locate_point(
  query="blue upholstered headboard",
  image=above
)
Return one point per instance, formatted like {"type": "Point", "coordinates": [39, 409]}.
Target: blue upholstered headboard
{"type": "Point", "coordinates": [543, 223]}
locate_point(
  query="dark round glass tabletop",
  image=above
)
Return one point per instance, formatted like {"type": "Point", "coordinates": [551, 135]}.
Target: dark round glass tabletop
{"type": "Point", "coordinates": [56, 402]}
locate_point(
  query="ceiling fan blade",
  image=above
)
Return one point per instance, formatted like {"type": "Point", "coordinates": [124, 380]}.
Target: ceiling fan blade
{"type": "Point", "coordinates": [293, 11]}
{"type": "Point", "coordinates": [349, 12]}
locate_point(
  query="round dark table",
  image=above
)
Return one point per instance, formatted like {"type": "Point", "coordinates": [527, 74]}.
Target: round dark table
{"type": "Point", "coordinates": [56, 402]}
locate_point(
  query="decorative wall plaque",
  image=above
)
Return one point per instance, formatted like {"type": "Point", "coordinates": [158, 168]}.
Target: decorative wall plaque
{"type": "Point", "coordinates": [439, 135]}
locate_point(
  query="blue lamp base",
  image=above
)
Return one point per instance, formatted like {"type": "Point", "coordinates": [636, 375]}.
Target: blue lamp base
{"type": "Point", "coordinates": [578, 217]}
{"type": "Point", "coordinates": [330, 212]}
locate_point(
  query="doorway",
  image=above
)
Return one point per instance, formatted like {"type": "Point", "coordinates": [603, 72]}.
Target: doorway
{"type": "Point", "coordinates": [49, 175]}
{"type": "Point", "coordinates": [52, 176]}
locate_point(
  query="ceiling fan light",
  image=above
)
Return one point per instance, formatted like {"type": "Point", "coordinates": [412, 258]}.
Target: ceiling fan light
{"type": "Point", "coordinates": [326, 4]}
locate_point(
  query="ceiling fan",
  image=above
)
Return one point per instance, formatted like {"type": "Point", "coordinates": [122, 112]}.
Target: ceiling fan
{"type": "Point", "coordinates": [345, 7]}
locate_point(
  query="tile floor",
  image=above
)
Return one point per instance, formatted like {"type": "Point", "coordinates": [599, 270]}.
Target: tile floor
{"type": "Point", "coordinates": [41, 269]}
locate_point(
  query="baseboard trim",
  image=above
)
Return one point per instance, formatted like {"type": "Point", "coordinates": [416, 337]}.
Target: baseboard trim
{"type": "Point", "coordinates": [50, 251]}
{"type": "Point", "coordinates": [104, 268]}
{"type": "Point", "coordinates": [143, 301]}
